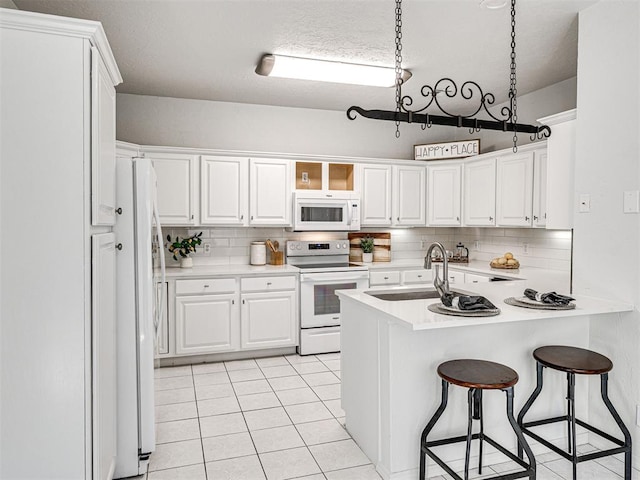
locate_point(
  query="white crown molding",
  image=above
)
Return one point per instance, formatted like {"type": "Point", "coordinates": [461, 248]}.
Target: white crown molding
{"type": "Point", "coordinates": [559, 117]}
{"type": "Point", "coordinates": [73, 27]}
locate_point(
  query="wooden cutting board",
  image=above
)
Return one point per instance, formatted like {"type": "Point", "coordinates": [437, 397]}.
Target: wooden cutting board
{"type": "Point", "coordinates": [381, 246]}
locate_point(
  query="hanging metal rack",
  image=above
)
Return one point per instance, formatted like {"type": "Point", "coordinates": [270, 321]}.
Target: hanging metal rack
{"type": "Point", "coordinates": [507, 121]}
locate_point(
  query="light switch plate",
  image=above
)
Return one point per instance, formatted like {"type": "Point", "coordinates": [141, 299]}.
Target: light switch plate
{"type": "Point", "coordinates": [584, 203]}
{"type": "Point", "coordinates": [631, 202]}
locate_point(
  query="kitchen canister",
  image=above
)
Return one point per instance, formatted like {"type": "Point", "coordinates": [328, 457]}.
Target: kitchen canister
{"type": "Point", "coordinates": [258, 253]}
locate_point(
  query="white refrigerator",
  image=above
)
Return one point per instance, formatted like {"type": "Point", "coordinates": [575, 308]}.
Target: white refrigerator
{"type": "Point", "coordinates": [137, 319]}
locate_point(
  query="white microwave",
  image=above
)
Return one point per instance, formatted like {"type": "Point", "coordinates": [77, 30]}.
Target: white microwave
{"type": "Point", "coordinates": [326, 210]}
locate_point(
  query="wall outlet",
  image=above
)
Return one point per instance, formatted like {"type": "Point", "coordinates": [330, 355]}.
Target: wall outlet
{"type": "Point", "coordinates": [476, 244]}
{"type": "Point", "coordinates": [525, 248]}
{"type": "Point", "coordinates": [305, 177]}
{"type": "Point", "coordinates": [206, 248]}
{"type": "Point", "coordinates": [423, 244]}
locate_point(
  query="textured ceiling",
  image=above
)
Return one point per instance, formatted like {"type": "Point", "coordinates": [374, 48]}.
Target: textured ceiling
{"type": "Point", "coordinates": [208, 49]}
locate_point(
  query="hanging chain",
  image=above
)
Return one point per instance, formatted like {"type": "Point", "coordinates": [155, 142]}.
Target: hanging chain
{"type": "Point", "coordinates": [512, 87]}
{"type": "Point", "coordinates": [398, 63]}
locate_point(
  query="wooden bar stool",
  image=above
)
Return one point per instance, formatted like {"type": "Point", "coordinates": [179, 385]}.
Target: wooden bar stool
{"type": "Point", "coordinates": [476, 375]}
{"type": "Point", "coordinates": [573, 360]}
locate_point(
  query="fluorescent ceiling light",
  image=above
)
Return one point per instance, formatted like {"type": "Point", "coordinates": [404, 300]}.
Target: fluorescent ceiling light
{"type": "Point", "coordinates": [326, 71]}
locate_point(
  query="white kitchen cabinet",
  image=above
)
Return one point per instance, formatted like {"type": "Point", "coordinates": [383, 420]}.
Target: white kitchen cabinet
{"type": "Point", "coordinates": [104, 397]}
{"type": "Point", "coordinates": [514, 190]}
{"type": "Point", "coordinates": [454, 276]}
{"type": "Point", "coordinates": [268, 319]}
{"type": "Point", "coordinates": [177, 187]}
{"type": "Point", "coordinates": [475, 278]}
{"type": "Point", "coordinates": [270, 192]}
{"type": "Point", "coordinates": [207, 324]}
{"type": "Point", "coordinates": [162, 303]}
{"type": "Point", "coordinates": [408, 193]}
{"type": "Point", "coordinates": [443, 190]}
{"type": "Point", "coordinates": [224, 190]}
{"type": "Point", "coordinates": [103, 143]}
{"type": "Point", "coordinates": [375, 184]}
{"type": "Point", "coordinates": [561, 151]}
{"type": "Point", "coordinates": [479, 192]}
{"type": "Point", "coordinates": [57, 308]}
{"type": "Point", "coordinates": [417, 277]}
{"type": "Point", "coordinates": [539, 211]}
{"type": "Point", "coordinates": [385, 278]}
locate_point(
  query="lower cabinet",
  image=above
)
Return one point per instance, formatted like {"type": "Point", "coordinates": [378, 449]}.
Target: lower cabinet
{"type": "Point", "coordinates": [268, 320]}
{"type": "Point", "coordinates": [392, 278]}
{"type": "Point", "coordinates": [207, 324]}
{"type": "Point", "coordinates": [219, 315]}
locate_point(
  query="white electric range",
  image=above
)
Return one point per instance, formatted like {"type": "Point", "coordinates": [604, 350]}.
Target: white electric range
{"type": "Point", "coordinates": [324, 268]}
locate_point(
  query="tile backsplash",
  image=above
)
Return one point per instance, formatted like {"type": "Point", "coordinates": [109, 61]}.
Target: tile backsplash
{"type": "Point", "coordinates": [541, 248]}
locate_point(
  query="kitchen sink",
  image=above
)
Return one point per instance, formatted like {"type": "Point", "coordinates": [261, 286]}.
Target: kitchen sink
{"type": "Point", "coordinates": [398, 295]}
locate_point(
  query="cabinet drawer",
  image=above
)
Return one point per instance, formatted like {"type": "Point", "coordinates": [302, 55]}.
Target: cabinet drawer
{"type": "Point", "coordinates": [473, 278]}
{"type": "Point", "coordinates": [417, 276]}
{"type": "Point", "coordinates": [384, 278]}
{"type": "Point", "coordinates": [207, 285]}
{"type": "Point", "coordinates": [255, 284]}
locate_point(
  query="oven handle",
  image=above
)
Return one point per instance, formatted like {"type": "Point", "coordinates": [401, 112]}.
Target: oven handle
{"type": "Point", "coordinates": [335, 276]}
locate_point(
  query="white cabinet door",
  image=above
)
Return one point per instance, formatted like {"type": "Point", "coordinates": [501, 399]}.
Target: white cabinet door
{"type": "Point", "coordinates": [376, 195]}
{"type": "Point", "coordinates": [384, 278]}
{"type": "Point", "coordinates": [270, 192]}
{"type": "Point", "coordinates": [454, 277]}
{"type": "Point", "coordinates": [514, 190]}
{"type": "Point", "coordinates": [223, 190]}
{"type": "Point", "coordinates": [162, 329]}
{"type": "Point", "coordinates": [409, 196]}
{"type": "Point", "coordinates": [103, 143]}
{"type": "Point", "coordinates": [206, 324]}
{"type": "Point", "coordinates": [268, 320]}
{"type": "Point", "coordinates": [540, 188]}
{"type": "Point", "coordinates": [417, 277]}
{"type": "Point", "coordinates": [480, 192]}
{"type": "Point", "coordinates": [103, 358]}
{"type": "Point", "coordinates": [475, 278]}
{"type": "Point", "coordinates": [176, 174]}
{"type": "Point", "coordinates": [443, 189]}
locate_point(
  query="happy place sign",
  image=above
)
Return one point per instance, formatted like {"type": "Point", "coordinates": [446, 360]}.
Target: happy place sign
{"type": "Point", "coordinates": [441, 151]}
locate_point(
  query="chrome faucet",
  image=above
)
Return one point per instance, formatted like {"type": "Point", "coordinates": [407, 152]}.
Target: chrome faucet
{"type": "Point", "coordinates": [442, 286]}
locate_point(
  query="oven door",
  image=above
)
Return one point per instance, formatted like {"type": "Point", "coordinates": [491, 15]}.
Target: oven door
{"type": "Point", "coordinates": [319, 304]}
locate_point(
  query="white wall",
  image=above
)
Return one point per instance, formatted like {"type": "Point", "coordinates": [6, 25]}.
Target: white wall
{"type": "Point", "coordinates": [606, 241]}
{"type": "Point", "coordinates": [176, 122]}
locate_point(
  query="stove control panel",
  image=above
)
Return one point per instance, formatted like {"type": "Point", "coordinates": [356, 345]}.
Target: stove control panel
{"type": "Point", "coordinates": [315, 248]}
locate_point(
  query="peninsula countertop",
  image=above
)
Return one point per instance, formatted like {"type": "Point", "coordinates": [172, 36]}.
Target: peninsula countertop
{"type": "Point", "coordinates": [413, 314]}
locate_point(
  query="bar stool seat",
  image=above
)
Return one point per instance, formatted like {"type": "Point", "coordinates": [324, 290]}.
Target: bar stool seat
{"type": "Point", "coordinates": [575, 361]}
{"type": "Point", "coordinates": [476, 375]}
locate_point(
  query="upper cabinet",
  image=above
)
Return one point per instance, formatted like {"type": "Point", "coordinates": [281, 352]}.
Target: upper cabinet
{"type": "Point", "coordinates": [223, 190]}
{"type": "Point", "coordinates": [103, 143]}
{"type": "Point", "coordinates": [479, 192]}
{"type": "Point", "coordinates": [324, 176]}
{"type": "Point", "coordinates": [443, 189]}
{"type": "Point", "coordinates": [176, 175]}
{"type": "Point", "coordinates": [376, 195]}
{"type": "Point", "coordinates": [561, 154]}
{"type": "Point", "coordinates": [540, 188]}
{"type": "Point", "coordinates": [270, 192]}
{"type": "Point", "coordinates": [514, 190]}
{"type": "Point", "coordinates": [408, 194]}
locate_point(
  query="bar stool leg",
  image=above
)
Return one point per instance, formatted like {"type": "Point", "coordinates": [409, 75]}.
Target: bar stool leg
{"type": "Point", "coordinates": [477, 415]}
{"type": "Point", "coordinates": [569, 450]}
{"type": "Point", "coordinates": [522, 443]}
{"type": "Point", "coordinates": [436, 416]}
{"type": "Point", "coordinates": [470, 397]}
{"type": "Point", "coordinates": [571, 393]}
{"type": "Point", "coordinates": [604, 378]}
{"type": "Point", "coordinates": [529, 402]}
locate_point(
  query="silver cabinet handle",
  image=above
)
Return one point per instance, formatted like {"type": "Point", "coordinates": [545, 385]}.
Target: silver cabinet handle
{"type": "Point", "coordinates": [206, 286]}
{"type": "Point", "coordinates": [119, 246]}
{"type": "Point", "coordinates": [457, 219]}
{"type": "Point", "coordinates": [419, 276]}
{"type": "Point", "coordinates": [491, 219]}
{"type": "Point", "coordinates": [386, 278]}
{"type": "Point", "coordinates": [191, 217]}
{"type": "Point", "coordinates": [535, 217]}
{"type": "Point", "coordinates": [241, 217]}
{"type": "Point", "coordinates": [398, 219]}
{"type": "Point", "coordinates": [251, 217]}
{"type": "Point", "coordinates": [119, 211]}
{"type": "Point", "coordinates": [268, 283]}
{"type": "Point", "coordinates": [526, 219]}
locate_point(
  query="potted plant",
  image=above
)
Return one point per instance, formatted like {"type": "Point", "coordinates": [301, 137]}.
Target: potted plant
{"type": "Point", "coordinates": [366, 243]}
{"type": "Point", "coordinates": [180, 249]}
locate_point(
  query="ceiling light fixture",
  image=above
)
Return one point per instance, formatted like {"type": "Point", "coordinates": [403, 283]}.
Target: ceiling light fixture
{"type": "Point", "coordinates": [507, 121]}
{"type": "Point", "coordinates": [328, 71]}
{"type": "Point", "coordinates": [493, 4]}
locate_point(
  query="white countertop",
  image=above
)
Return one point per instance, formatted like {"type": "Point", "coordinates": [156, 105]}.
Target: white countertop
{"type": "Point", "coordinates": [219, 270]}
{"type": "Point", "coordinates": [413, 314]}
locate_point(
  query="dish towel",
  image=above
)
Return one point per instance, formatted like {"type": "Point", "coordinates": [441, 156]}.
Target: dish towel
{"type": "Point", "coordinates": [466, 302]}
{"type": "Point", "coordinates": [551, 298]}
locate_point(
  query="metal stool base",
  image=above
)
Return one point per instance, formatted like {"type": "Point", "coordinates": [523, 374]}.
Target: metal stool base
{"type": "Point", "coordinates": [571, 454]}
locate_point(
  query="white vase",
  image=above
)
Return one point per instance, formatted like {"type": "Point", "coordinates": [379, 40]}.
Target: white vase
{"type": "Point", "coordinates": [186, 262]}
{"type": "Point", "coordinates": [367, 257]}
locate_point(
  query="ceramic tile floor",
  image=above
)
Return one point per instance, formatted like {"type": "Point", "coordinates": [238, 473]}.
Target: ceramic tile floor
{"type": "Point", "coordinates": [279, 418]}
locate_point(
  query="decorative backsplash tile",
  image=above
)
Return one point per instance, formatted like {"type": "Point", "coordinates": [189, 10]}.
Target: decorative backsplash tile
{"type": "Point", "coordinates": [532, 247]}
